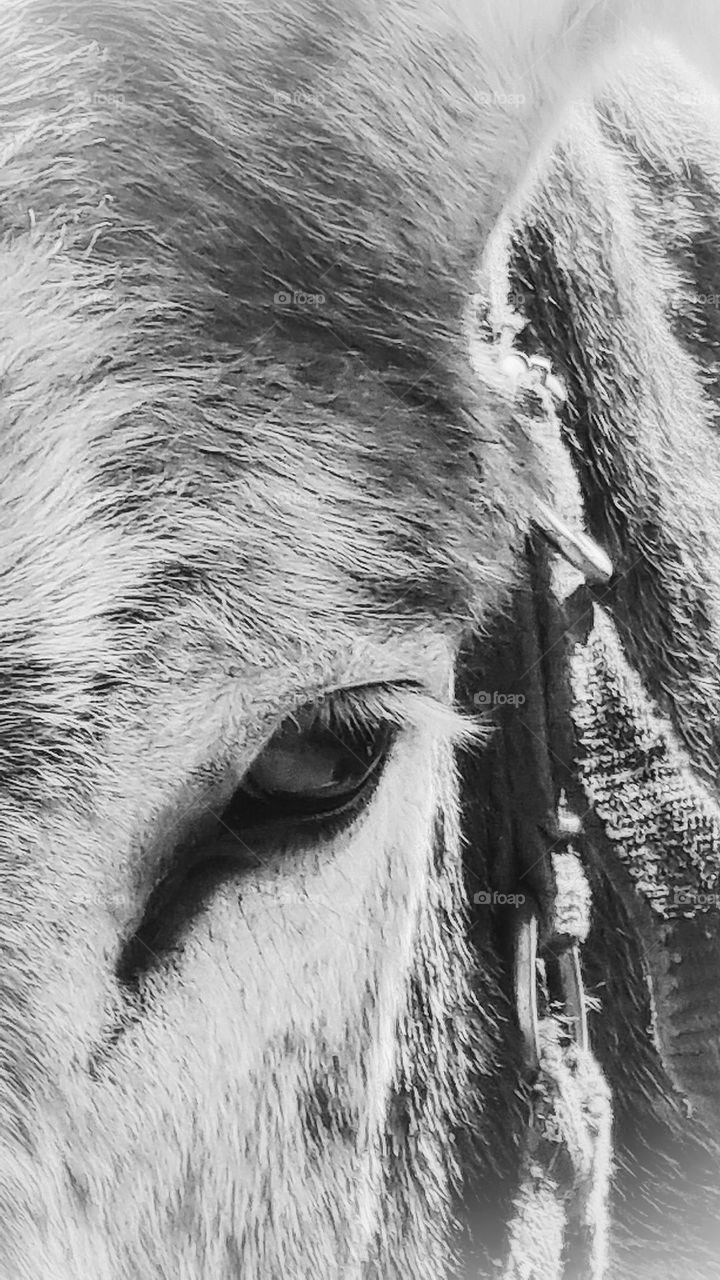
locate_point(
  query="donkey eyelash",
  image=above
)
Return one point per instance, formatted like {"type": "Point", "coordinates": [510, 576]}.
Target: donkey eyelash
{"type": "Point", "coordinates": [401, 705]}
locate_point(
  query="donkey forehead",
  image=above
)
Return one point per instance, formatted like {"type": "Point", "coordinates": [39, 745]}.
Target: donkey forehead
{"type": "Point", "coordinates": [202, 463]}
{"type": "Point", "coordinates": [230, 518]}
{"type": "Point", "coordinates": [288, 505]}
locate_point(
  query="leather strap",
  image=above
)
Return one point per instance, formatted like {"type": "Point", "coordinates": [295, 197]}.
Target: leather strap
{"type": "Point", "coordinates": [558, 1227]}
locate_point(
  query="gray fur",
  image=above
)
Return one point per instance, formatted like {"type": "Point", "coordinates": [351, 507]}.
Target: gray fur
{"type": "Point", "coordinates": [217, 503]}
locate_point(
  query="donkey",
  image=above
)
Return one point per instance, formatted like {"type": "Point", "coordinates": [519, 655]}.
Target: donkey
{"type": "Point", "coordinates": [267, 483]}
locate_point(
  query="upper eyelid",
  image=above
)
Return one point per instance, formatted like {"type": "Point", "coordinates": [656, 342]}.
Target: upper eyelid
{"type": "Point", "coordinates": [403, 704]}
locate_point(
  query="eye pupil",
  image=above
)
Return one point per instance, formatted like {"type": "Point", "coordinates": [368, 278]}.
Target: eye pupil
{"type": "Point", "coordinates": [301, 767]}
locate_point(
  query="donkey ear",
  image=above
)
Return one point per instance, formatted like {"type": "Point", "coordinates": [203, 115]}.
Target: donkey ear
{"type": "Point", "coordinates": [539, 59]}
{"type": "Point", "coordinates": [628, 309]}
{"type": "Point", "coordinates": [616, 257]}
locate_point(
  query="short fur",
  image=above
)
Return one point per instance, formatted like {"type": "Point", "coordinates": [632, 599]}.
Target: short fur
{"type": "Point", "coordinates": [249, 457]}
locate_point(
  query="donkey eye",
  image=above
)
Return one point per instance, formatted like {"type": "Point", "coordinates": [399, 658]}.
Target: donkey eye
{"type": "Point", "coordinates": [312, 779]}
{"type": "Point", "coordinates": [314, 767]}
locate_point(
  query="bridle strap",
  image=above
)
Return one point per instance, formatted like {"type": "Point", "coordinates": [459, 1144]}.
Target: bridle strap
{"type": "Point", "coordinates": [558, 1228]}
